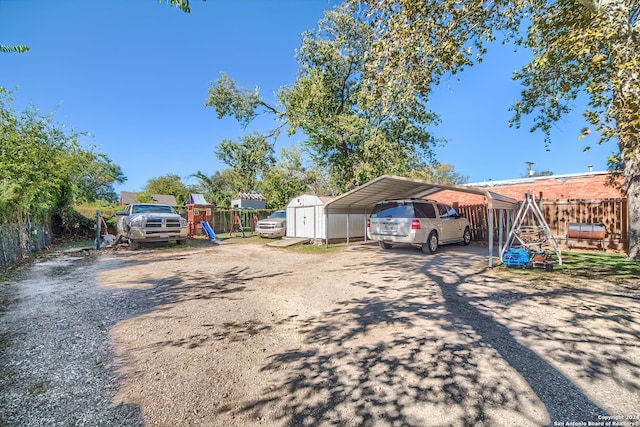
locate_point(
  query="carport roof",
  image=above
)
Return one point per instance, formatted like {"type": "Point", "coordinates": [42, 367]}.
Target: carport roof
{"type": "Point", "coordinates": [362, 199]}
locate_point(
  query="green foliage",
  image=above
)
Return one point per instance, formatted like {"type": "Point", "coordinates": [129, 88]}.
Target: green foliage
{"type": "Point", "coordinates": [358, 135]}
{"type": "Point", "coordinates": [242, 104]}
{"type": "Point", "coordinates": [249, 159]}
{"type": "Point", "coordinates": [218, 188]}
{"type": "Point", "coordinates": [588, 265]}
{"type": "Point", "coordinates": [144, 197]}
{"type": "Point", "coordinates": [96, 183]}
{"type": "Point", "coordinates": [591, 48]}
{"type": "Point", "coordinates": [279, 180]}
{"type": "Point", "coordinates": [286, 179]}
{"type": "Point", "coordinates": [352, 132]}
{"type": "Point", "coordinates": [584, 47]}
{"type": "Point", "coordinates": [439, 173]}
{"type": "Point", "coordinates": [42, 165]}
{"type": "Point", "coordinates": [170, 184]}
{"type": "Point", "coordinates": [13, 49]}
{"type": "Point", "coordinates": [183, 5]}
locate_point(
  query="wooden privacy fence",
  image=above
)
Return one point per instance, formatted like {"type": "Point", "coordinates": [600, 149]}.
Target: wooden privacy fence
{"type": "Point", "coordinates": [223, 218]}
{"type": "Point", "coordinates": [612, 213]}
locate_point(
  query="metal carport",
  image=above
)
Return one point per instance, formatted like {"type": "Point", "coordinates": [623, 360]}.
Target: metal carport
{"type": "Point", "coordinates": [363, 198]}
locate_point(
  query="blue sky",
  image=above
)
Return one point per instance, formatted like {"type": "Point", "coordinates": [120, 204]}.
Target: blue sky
{"type": "Point", "coordinates": [135, 75]}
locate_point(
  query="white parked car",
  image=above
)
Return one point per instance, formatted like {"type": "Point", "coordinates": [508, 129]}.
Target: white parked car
{"type": "Point", "coordinates": [273, 226]}
{"type": "Point", "coordinates": [417, 222]}
{"type": "Point", "coordinates": [148, 222]}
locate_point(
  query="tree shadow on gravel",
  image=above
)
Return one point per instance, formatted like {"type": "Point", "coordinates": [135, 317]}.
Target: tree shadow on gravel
{"type": "Point", "coordinates": [57, 364]}
{"type": "Point", "coordinates": [152, 293]}
{"type": "Point", "coordinates": [421, 348]}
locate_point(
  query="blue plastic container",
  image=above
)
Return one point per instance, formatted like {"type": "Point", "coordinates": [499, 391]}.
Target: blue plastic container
{"type": "Point", "coordinates": [515, 257]}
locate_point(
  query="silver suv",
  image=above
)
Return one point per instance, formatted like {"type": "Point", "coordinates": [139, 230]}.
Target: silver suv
{"type": "Point", "coordinates": [274, 226]}
{"type": "Point", "coordinates": [423, 223]}
{"type": "Point", "coordinates": [147, 222]}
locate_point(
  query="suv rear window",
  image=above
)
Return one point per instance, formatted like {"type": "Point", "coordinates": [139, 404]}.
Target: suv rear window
{"type": "Point", "coordinates": [395, 209]}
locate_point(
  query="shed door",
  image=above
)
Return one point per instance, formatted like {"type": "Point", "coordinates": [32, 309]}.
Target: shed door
{"type": "Point", "coordinates": [305, 222]}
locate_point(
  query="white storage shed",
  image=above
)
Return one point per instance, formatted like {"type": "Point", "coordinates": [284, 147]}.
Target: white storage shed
{"type": "Point", "coordinates": [307, 218]}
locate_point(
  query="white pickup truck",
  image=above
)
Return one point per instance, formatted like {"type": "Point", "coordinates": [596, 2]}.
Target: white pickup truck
{"type": "Point", "coordinates": [148, 222]}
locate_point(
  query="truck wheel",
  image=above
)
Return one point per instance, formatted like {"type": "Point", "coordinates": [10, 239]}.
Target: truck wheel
{"type": "Point", "coordinates": [181, 241]}
{"type": "Point", "coordinates": [133, 245]}
{"type": "Point", "coordinates": [431, 245]}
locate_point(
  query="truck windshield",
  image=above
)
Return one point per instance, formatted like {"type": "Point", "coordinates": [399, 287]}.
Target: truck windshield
{"type": "Point", "coordinates": [136, 209]}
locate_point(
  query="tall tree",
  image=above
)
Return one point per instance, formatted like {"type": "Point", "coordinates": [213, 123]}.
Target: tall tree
{"type": "Point", "coordinates": [217, 188]}
{"type": "Point", "coordinates": [355, 134]}
{"type": "Point", "coordinates": [249, 158]}
{"type": "Point", "coordinates": [287, 178]}
{"type": "Point", "coordinates": [441, 173]}
{"type": "Point", "coordinates": [587, 47]}
{"type": "Point", "coordinates": [96, 181]}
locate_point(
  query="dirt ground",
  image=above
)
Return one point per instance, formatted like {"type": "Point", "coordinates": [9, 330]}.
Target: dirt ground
{"type": "Point", "coordinates": [245, 334]}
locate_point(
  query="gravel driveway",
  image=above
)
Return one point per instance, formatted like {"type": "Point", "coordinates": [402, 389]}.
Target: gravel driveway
{"type": "Point", "coordinates": [244, 334]}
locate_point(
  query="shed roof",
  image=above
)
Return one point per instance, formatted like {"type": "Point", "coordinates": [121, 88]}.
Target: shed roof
{"type": "Point", "coordinates": [362, 199]}
{"type": "Point", "coordinates": [252, 195]}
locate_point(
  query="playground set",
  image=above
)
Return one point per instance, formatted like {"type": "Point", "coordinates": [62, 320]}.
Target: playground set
{"type": "Point", "coordinates": [200, 219]}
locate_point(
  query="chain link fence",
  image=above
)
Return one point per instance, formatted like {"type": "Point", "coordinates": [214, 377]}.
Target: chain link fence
{"type": "Point", "coordinates": [19, 241]}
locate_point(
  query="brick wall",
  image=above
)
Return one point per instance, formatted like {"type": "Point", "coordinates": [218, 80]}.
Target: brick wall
{"type": "Point", "coordinates": [562, 187]}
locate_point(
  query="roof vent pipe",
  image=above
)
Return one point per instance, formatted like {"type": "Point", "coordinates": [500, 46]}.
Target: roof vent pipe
{"type": "Point", "coordinates": [530, 171]}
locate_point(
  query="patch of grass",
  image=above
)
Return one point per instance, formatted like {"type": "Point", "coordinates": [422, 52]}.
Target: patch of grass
{"type": "Point", "coordinates": [318, 249]}
{"type": "Point", "coordinates": [238, 239]}
{"type": "Point", "coordinates": [589, 265]}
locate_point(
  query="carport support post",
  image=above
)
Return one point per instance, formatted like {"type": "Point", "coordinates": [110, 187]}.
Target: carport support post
{"type": "Point", "coordinates": [500, 230]}
{"type": "Point", "coordinates": [326, 228]}
{"type": "Point", "coordinates": [490, 230]}
{"type": "Point", "coordinates": [348, 220]}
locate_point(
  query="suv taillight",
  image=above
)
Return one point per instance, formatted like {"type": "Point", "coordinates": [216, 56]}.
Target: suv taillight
{"type": "Point", "coordinates": [368, 223]}
{"type": "Point", "coordinates": [415, 224]}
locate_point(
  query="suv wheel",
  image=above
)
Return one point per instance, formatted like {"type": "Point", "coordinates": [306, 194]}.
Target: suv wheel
{"type": "Point", "coordinates": [466, 236]}
{"type": "Point", "coordinates": [384, 245]}
{"type": "Point", "coordinates": [133, 244]}
{"type": "Point", "coordinates": [431, 245]}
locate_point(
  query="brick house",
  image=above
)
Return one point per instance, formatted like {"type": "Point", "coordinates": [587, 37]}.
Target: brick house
{"type": "Point", "coordinates": [579, 186]}
{"type": "Point", "coordinates": [572, 198]}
